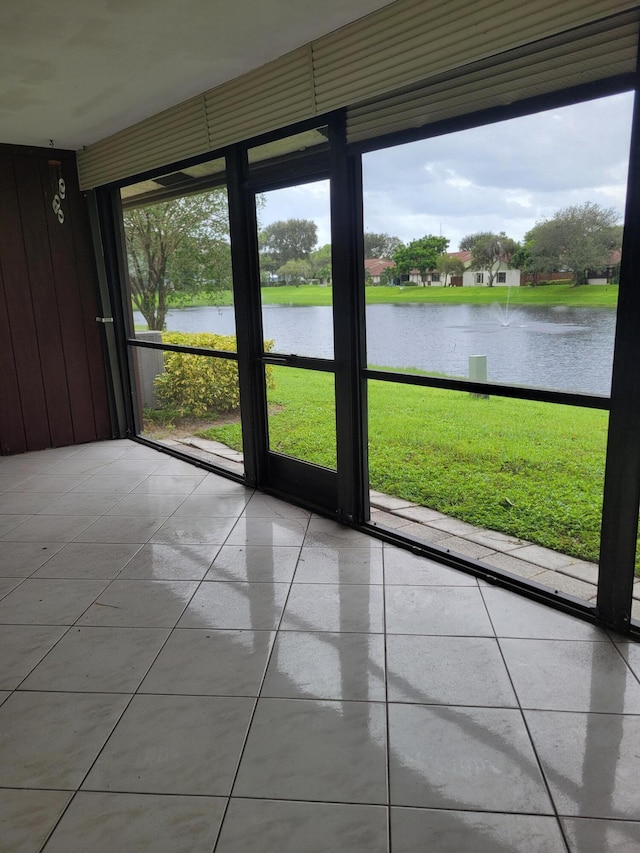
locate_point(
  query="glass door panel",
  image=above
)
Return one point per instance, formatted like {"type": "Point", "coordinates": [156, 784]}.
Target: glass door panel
{"type": "Point", "coordinates": [301, 414]}
{"type": "Point", "coordinates": [295, 269]}
{"type": "Point", "coordinates": [294, 225]}
{"type": "Point", "coordinates": [296, 320]}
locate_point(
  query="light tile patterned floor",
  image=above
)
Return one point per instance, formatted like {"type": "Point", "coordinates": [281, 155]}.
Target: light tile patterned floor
{"type": "Point", "coordinates": [188, 666]}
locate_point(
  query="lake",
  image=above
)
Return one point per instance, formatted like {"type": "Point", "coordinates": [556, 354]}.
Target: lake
{"type": "Point", "coordinates": [566, 349]}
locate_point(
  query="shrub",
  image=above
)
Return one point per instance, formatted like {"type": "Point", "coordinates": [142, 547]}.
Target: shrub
{"type": "Point", "coordinates": [552, 282]}
{"type": "Point", "coordinates": [197, 385]}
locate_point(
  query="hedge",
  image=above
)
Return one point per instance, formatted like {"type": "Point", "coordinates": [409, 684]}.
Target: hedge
{"type": "Point", "coordinates": [198, 385]}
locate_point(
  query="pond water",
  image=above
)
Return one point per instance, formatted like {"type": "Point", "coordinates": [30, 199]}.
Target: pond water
{"type": "Point", "coordinates": [566, 349]}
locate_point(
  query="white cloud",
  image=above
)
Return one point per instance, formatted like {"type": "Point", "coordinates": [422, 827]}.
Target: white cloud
{"type": "Point", "coordinates": [502, 177]}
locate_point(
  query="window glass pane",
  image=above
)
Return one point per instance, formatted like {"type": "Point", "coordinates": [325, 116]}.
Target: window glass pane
{"type": "Point", "coordinates": [522, 221]}
{"type": "Point", "coordinates": [302, 414]}
{"type": "Point", "coordinates": [191, 403]}
{"type": "Point", "coordinates": [289, 146]}
{"type": "Point", "coordinates": [179, 266]}
{"type": "Point", "coordinates": [180, 292]}
{"type": "Point", "coordinates": [295, 269]}
{"type": "Point", "coordinates": [514, 483]}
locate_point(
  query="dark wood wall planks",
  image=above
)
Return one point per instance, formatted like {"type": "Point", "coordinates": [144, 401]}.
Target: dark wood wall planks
{"type": "Point", "coordinates": [52, 379]}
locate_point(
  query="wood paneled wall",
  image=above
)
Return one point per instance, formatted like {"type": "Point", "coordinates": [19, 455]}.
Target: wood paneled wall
{"type": "Point", "coordinates": [53, 388]}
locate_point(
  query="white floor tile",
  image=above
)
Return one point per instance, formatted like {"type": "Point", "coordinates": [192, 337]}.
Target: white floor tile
{"type": "Point", "coordinates": [596, 836]}
{"type": "Point", "coordinates": [24, 646]}
{"type": "Point", "coordinates": [418, 830]}
{"type": "Point", "coordinates": [157, 561]}
{"type": "Point", "coordinates": [436, 610]}
{"type": "Point", "coordinates": [52, 528]}
{"type": "Point", "coordinates": [136, 822]}
{"type": "Point", "coordinates": [515, 616]}
{"type": "Point", "coordinates": [28, 817]}
{"type": "Point", "coordinates": [45, 601]}
{"type": "Point", "coordinates": [463, 758]}
{"type": "Point", "coordinates": [146, 604]}
{"type": "Point", "coordinates": [88, 561]}
{"type": "Point", "coordinates": [447, 671]}
{"type": "Point", "coordinates": [210, 663]}
{"type": "Point", "coordinates": [323, 665]}
{"type": "Point", "coordinates": [267, 531]}
{"type": "Point", "coordinates": [109, 660]}
{"type": "Point", "coordinates": [59, 753]}
{"type": "Point", "coordinates": [334, 607]}
{"type": "Point", "coordinates": [254, 564]}
{"type": "Point", "coordinates": [271, 826]}
{"type": "Point", "coordinates": [133, 658]}
{"type": "Point", "coordinates": [174, 745]}
{"type": "Point", "coordinates": [405, 569]}
{"type": "Point", "coordinates": [340, 565]}
{"type": "Point", "coordinates": [565, 675]}
{"type": "Point", "coordinates": [182, 530]}
{"type": "Point", "coordinates": [590, 761]}
{"type": "Point", "coordinates": [253, 606]}
{"type": "Point", "coordinates": [307, 750]}
{"type": "Point", "coordinates": [21, 559]}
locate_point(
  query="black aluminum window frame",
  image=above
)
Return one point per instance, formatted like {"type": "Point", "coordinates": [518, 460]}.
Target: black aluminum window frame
{"type": "Point", "coordinates": [622, 472]}
{"type": "Point", "coordinates": [621, 498]}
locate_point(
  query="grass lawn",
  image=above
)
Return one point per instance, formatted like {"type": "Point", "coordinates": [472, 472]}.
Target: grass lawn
{"type": "Point", "coordinates": [596, 295]}
{"type": "Point", "coordinates": [533, 470]}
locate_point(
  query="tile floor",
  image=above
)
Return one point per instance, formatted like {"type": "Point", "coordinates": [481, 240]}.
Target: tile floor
{"type": "Point", "coordinates": [189, 666]}
{"type": "Point", "coordinates": [559, 572]}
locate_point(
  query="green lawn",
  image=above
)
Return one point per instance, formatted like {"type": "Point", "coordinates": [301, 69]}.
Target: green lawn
{"type": "Point", "coordinates": [596, 296]}
{"type": "Point", "coordinates": [533, 470]}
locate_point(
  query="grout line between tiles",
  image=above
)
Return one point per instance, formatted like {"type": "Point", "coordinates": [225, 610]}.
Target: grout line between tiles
{"type": "Point", "coordinates": [386, 697]}
{"type": "Point", "coordinates": [529, 736]}
{"type": "Point", "coordinates": [258, 694]}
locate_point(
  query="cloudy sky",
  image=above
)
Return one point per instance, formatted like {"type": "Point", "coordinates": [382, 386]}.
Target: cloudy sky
{"type": "Point", "coordinates": [503, 177]}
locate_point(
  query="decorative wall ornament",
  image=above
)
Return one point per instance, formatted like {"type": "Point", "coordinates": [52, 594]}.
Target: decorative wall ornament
{"type": "Point", "coordinates": [59, 189]}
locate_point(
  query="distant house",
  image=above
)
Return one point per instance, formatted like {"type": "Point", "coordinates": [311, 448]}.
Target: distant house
{"type": "Point", "coordinates": [432, 277]}
{"type": "Point", "coordinates": [435, 277]}
{"type": "Point", "coordinates": [464, 256]}
{"type": "Point", "coordinates": [609, 274]}
{"type": "Point", "coordinates": [505, 276]}
{"type": "Point", "coordinates": [375, 267]}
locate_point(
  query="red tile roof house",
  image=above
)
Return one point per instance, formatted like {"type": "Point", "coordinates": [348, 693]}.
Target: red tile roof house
{"type": "Point", "coordinates": [374, 267]}
{"type": "Point", "coordinates": [608, 274]}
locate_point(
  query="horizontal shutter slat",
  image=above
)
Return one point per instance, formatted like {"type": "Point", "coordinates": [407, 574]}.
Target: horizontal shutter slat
{"type": "Point", "coordinates": [405, 45]}
{"type": "Point", "coordinates": [546, 67]}
{"type": "Point", "coordinates": [162, 139]}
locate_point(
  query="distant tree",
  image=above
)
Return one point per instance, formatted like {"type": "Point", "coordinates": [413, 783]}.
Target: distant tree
{"type": "Point", "coordinates": [488, 251]}
{"type": "Point", "coordinates": [289, 240]}
{"type": "Point", "coordinates": [421, 255]}
{"type": "Point", "coordinates": [268, 267]}
{"type": "Point", "coordinates": [527, 261]}
{"type": "Point", "coordinates": [380, 245]}
{"type": "Point", "coordinates": [177, 247]}
{"type": "Point", "coordinates": [320, 261]}
{"type": "Point", "coordinates": [295, 271]}
{"type": "Point", "coordinates": [448, 267]}
{"type": "Point", "coordinates": [577, 238]}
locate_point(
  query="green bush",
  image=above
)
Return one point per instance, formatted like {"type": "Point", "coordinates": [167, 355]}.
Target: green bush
{"type": "Point", "coordinates": [198, 385]}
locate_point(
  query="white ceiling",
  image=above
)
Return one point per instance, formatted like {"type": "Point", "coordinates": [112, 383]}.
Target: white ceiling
{"type": "Point", "coordinates": [75, 71]}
